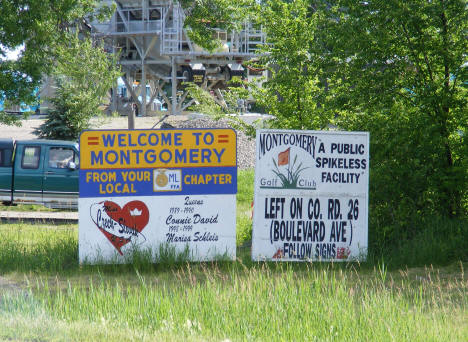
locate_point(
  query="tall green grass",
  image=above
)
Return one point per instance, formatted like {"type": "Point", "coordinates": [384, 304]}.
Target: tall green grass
{"type": "Point", "coordinates": [39, 248]}
{"type": "Point", "coordinates": [245, 195]}
{"type": "Point", "coordinates": [54, 249]}
{"type": "Point", "coordinates": [46, 295]}
{"type": "Point", "coordinates": [28, 207]}
{"type": "Point", "coordinates": [263, 302]}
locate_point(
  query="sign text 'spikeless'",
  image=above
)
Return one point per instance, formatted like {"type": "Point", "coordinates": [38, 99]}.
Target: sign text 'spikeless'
{"type": "Point", "coordinates": [311, 195]}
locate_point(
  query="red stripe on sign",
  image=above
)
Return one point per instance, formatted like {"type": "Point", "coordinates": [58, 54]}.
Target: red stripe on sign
{"type": "Point", "coordinates": [93, 140]}
{"type": "Point", "coordinates": [223, 138]}
{"type": "Point", "coordinates": [223, 141]}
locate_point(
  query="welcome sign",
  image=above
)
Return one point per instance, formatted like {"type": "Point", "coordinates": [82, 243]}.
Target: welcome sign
{"type": "Point", "coordinates": [311, 195]}
{"type": "Point", "coordinates": [146, 188]}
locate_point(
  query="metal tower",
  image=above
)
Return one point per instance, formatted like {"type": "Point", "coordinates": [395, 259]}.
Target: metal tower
{"type": "Point", "coordinates": [156, 51]}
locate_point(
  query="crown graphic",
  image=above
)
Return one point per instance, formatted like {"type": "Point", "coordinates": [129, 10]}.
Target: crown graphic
{"type": "Point", "coordinates": [135, 212]}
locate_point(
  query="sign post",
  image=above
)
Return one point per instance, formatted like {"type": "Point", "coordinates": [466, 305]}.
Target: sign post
{"type": "Point", "coordinates": [311, 195]}
{"type": "Point", "coordinates": [140, 189]}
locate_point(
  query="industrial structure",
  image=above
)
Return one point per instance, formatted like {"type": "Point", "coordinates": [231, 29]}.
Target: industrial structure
{"type": "Point", "coordinates": [157, 55]}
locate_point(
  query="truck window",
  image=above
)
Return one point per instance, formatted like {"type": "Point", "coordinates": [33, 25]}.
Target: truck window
{"type": "Point", "coordinates": [6, 157]}
{"type": "Point", "coordinates": [59, 157]}
{"type": "Point", "coordinates": [30, 158]}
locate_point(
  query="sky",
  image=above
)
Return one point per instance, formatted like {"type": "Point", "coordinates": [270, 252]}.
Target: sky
{"type": "Point", "coordinates": [12, 54]}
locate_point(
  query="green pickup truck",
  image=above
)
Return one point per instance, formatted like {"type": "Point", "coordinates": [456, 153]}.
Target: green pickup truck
{"type": "Point", "coordinates": [39, 172]}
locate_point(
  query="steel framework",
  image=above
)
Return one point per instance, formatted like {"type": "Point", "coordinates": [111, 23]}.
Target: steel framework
{"type": "Point", "coordinates": [156, 50]}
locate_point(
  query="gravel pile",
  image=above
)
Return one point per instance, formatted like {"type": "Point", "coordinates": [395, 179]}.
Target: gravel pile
{"type": "Point", "coordinates": [245, 145]}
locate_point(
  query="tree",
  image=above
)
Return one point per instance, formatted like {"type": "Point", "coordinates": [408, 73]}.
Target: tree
{"type": "Point", "coordinates": [396, 69]}
{"type": "Point", "coordinates": [205, 16]}
{"type": "Point", "coordinates": [38, 26]}
{"type": "Point", "coordinates": [400, 74]}
{"type": "Point", "coordinates": [295, 93]}
{"type": "Point", "coordinates": [84, 73]}
{"type": "Point", "coordinates": [203, 101]}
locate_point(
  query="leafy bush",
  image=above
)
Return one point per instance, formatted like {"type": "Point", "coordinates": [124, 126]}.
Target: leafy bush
{"type": "Point", "coordinates": [84, 73]}
{"type": "Point", "coordinates": [438, 241]}
{"type": "Point", "coordinates": [409, 177]}
{"type": "Point", "coordinates": [394, 69]}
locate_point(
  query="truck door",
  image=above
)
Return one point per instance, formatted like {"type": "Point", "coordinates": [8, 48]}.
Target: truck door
{"type": "Point", "coordinates": [60, 183]}
{"type": "Point", "coordinates": [29, 164]}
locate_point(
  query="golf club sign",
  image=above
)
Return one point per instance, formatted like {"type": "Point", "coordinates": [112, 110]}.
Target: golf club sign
{"type": "Point", "coordinates": [311, 195]}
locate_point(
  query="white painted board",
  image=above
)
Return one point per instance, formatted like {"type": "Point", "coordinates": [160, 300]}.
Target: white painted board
{"type": "Point", "coordinates": [147, 190]}
{"type": "Point", "coordinates": [200, 224]}
{"type": "Point", "coordinates": [311, 195]}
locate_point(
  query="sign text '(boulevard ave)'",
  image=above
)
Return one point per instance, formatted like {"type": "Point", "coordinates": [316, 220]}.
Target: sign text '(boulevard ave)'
{"type": "Point", "coordinates": [151, 148]}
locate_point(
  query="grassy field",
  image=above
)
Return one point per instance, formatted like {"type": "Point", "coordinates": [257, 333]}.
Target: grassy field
{"type": "Point", "coordinates": [45, 295]}
{"type": "Point", "coordinates": [24, 207]}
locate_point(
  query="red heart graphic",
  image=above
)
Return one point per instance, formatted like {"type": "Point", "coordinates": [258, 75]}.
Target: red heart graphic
{"type": "Point", "coordinates": [128, 222]}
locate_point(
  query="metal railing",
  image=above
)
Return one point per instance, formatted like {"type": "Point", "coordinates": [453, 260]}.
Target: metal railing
{"type": "Point", "coordinates": [176, 42]}
{"type": "Point", "coordinates": [167, 21]}
{"type": "Point", "coordinates": [135, 20]}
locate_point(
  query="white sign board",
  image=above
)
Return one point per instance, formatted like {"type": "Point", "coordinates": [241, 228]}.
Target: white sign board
{"type": "Point", "coordinates": [311, 195]}
{"type": "Point", "coordinates": [147, 189]}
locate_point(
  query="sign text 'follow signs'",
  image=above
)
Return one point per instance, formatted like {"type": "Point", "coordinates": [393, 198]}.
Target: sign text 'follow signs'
{"type": "Point", "coordinates": [311, 195]}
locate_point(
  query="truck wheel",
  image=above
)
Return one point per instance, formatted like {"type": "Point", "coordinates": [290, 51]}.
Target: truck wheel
{"type": "Point", "coordinates": [187, 74]}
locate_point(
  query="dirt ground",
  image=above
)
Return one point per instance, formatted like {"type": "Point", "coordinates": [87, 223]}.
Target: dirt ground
{"type": "Point", "coordinates": [25, 131]}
